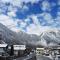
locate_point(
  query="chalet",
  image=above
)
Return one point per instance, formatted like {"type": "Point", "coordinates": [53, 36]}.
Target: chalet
{"type": "Point", "coordinates": [19, 50]}
{"type": "Point", "coordinates": [2, 49]}
{"type": "Point", "coordinates": [39, 51]}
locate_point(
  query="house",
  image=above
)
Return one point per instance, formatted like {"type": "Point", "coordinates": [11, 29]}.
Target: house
{"type": "Point", "coordinates": [2, 49]}
{"type": "Point", "coordinates": [19, 50]}
{"type": "Point", "coordinates": [39, 51]}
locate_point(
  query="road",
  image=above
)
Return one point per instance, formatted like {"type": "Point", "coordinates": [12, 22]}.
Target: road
{"type": "Point", "coordinates": [28, 57]}
{"type": "Point", "coordinates": [40, 57]}
{"type": "Point", "coordinates": [33, 57]}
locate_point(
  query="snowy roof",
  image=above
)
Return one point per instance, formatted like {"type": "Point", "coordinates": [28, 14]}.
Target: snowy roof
{"type": "Point", "coordinates": [39, 48]}
{"type": "Point", "coordinates": [3, 45]}
{"type": "Point", "coordinates": [19, 47]}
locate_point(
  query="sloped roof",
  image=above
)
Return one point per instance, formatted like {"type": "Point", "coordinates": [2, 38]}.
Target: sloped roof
{"type": "Point", "coordinates": [3, 45]}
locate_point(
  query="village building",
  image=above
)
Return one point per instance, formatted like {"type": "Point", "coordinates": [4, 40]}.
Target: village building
{"type": "Point", "coordinates": [19, 50]}
{"type": "Point", "coordinates": [39, 51]}
{"type": "Point", "coordinates": [2, 49]}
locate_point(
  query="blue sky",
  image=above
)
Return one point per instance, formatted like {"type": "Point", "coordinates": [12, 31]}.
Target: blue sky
{"type": "Point", "coordinates": [31, 16]}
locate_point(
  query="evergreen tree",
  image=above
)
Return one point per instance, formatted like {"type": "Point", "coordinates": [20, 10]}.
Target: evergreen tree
{"type": "Point", "coordinates": [12, 51]}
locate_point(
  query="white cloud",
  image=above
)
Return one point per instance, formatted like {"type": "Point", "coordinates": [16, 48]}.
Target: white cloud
{"type": "Point", "coordinates": [11, 14]}
{"type": "Point", "coordinates": [27, 20]}
{"type": "Point", "coordinates": [48, 18]}
{"type": "Point", "coordinates": [46, 6]}
{"type": "Point", "coordinates": [37, 28]}
{"type": "Point", "coordinates": [12, 8]}
{"type": "Point", "coordinates": [7, 21]}
{"type": "Point", "coordinates": [23, 24]}
{"type": "Point", "coordinates": [35, 19]}
{"type": "Point", "coordinates": [6, 1]}
{"type": "Point", "coordinates": [26, 1]}
{"type": "Point", "coordinates": [25, 7]}
{"type": "Point", "coordinates": [19, 2]}
{"type": "Point", "coordinates": [34, 29]}
{"type": "Point", "coordinates": [32, 1]}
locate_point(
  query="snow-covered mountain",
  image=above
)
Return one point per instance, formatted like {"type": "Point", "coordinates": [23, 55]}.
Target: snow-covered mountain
{"type": "Point", "coordinates": [10, 37]}
{"type": "Point", "coordinates": [7, 35]}
{"type": "Point", "coordinates": [50, 37]}
{"type": "Point", "coordinates": [46, 38]}
{"type": "Point", "coordinates": [28, 39]}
